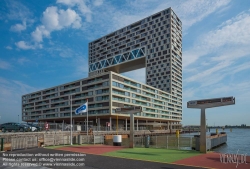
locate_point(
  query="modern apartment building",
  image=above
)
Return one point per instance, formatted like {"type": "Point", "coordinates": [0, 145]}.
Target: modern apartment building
{"type": "Point", "coordinates": [153, 43]}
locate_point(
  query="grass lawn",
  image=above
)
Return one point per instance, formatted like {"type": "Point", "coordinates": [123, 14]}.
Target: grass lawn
{"type": "Point", "coordinates": [153, 154]}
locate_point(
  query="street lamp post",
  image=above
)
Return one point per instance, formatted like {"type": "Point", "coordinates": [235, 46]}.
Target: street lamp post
{"type": "Point", "coordinates": [71, 126]}
{"type": "Point", "coordinates": [18, 119]}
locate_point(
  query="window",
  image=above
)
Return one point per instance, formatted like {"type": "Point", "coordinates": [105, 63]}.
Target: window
{"type": "Point", "coordinates": [105, 83]}
{"type": "Point", "coordinates": [127, 100]}
{"type": "Point", "coordinates": [100, 98]}
{"type": "Point", "coordinates": [120, 85]}
{"type": "Point", "coordinates": [127, 94]}
{"type": "Point", "coordinates": [114, 83]}
{"type": "Point", "coordinates": [99, 91]}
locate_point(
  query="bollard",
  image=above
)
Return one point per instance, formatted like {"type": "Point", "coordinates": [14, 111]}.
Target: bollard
{"type": "Point", "coordinates": [177, 133]}
{"type": "Point", "coordinates": [217, 131]}
{"type": "Point", "coordinates": [147, 141]}
{"type": "Point", "coordinates": [2, 144]}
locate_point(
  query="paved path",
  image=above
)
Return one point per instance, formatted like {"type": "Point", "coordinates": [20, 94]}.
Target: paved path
{"type": "Point", "coordinates": [212, 160]}
{"type": "Point", "coordinates": [95, 149]}
{"type": "Point", "coordinates": [99, 162]}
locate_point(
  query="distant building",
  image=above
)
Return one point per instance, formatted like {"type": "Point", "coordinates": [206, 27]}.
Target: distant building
{"type": "Point", "coordinates": [155, 43]}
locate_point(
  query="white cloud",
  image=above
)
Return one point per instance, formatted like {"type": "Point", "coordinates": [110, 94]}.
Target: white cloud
{"type": "Point", "coordinates": [232, 31]}
{"type": "Point", "coordinates": [190, 12]}
{"type": "Point", "coordinates": [54, 20]}
{"type": "Point", "coordinates": [10, 94]}
{"type": "Point", "coordinates": [22, 60]}
{"type": "Point", "coordinates": [189, 93]}
{"type": "Point", "coordinates": [98, 2]}
{"type": "Point", "coordinates": [18, 27]}
{"type": "Point", "coordinates": [232, 88]}
{"type": "Point", "coordinates": [81, 6]}
{"type": "Point", "coordinates": [24, 45]}
{"type": "Point", "coordinates": [63, 51]}
{"type": "Point", "coordinates": [218, 60]}
{"type": "Point", "coordinates": [4, 65]}
{"type": "Point", "coordinates": [230, 34]}
{"type": "Point", "coordinates": [17, 11]}
{"type": "Point", "coordinates": [39, 33]}
{"type": "Point", "coordinates": [13, 89]}
{"type": "Point", "coordinates": [200, 76]}
{"type": "Point", "coordinates": [241, 67]}
{"type": "Point", "coordinates": [193, 11]}
{"type": "Point", "coordinates": [8, 47]}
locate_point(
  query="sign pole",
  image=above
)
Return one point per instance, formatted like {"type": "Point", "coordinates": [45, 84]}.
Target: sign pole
{"type": "Point", "coordinates": [87, 125]}
{"type": "Point", "coordinates": [71, 120]}
{"type": "Point", "coordinates": [203, 135]}
{"type": "Point", "coordinates": [131, 137]}
{"type": "Point", "coordinates": [116, 124]}
{"type": "Point", "coordinates": [131, 111]}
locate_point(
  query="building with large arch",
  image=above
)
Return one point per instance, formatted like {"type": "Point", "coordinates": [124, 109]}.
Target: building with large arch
{"type": "Point", "coordinates": [153, 43]}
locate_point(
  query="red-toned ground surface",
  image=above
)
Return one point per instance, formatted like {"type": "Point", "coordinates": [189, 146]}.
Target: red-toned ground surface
{"type": "Point", "coordinates": [212, 160]}
{"type": "Point", "coordinates": [95, 149]}
{"type": "Point", "coordinates": [209, 160]}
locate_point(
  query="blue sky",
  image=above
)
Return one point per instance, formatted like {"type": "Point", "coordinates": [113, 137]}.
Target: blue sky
{"type": "Point", "coordinates": [45, 43]}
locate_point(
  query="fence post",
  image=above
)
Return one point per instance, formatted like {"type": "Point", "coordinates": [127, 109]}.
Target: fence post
{"type": "Point", "coordinates": [191, 142]}
{"type": "Point", "coordinates": [2, 144]}
{"type": "Point", "coordinates": [167, 142]}
{"type": "Point", "coordinates": [63, 138]}
{"type": "Point", "coordinates": [25, 142]}
{"type": "Point", "coordinates": [54, 138]}
{"type": "Point", "coordinates": [142, 139]}
{"type": "Point", "coordinates": [11, 144]}
{"type": "Point", "coordinates": [178, 142]}
{"type": "Point", "coordinates": [156, 141]}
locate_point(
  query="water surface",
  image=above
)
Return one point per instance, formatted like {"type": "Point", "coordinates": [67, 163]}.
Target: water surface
{"type": "Point", "coordinates": [237, 140]}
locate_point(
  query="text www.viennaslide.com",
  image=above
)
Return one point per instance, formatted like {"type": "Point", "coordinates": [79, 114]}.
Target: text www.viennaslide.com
{"type": "Point", "coordinates": [58, 164]}
{"type": "Point", "coordinates": [45, 160]}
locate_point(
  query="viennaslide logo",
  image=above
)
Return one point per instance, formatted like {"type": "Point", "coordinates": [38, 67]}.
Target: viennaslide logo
{"type": "Point", "coordinates": [233, 158]}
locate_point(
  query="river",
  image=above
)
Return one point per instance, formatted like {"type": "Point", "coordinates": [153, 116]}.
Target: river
{"type": "Point", "coordinates": [237, 141]}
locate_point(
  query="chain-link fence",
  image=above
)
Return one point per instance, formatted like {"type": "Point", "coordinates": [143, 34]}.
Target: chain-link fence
{"type": "Point", "coordinates": [41, 126]}
{"type": "Point", "coordinates": [159, 141]}
{"type": "Point", "coordinates": [169, 142]}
